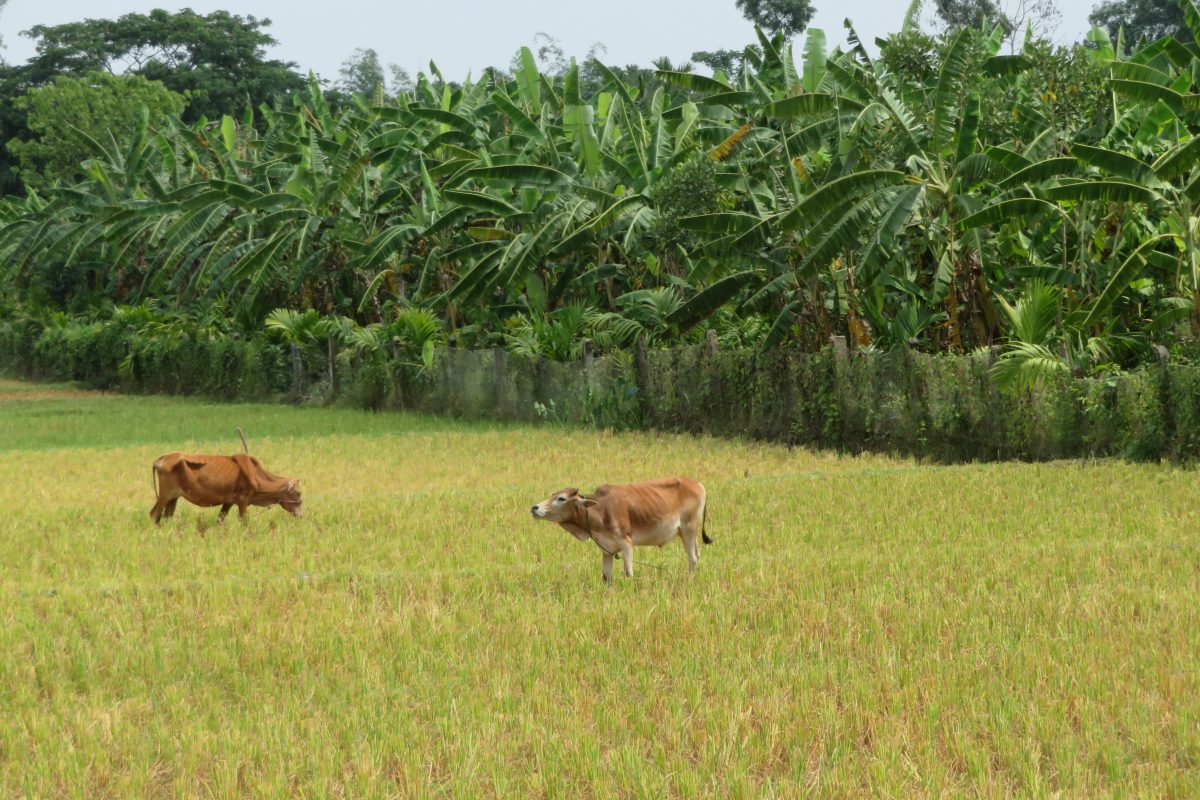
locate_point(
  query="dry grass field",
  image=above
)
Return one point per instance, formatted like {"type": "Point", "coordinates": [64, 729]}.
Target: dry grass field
{"type": "Point", "coordinates": [862, 627]}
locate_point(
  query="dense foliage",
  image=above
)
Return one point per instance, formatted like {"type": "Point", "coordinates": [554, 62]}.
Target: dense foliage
{"type": "Point", "coordinates": [943, 196]}
{"type": "Point", "coordinates": [216, 61]}
{"type": "Point", "coordinates": [61, 116]}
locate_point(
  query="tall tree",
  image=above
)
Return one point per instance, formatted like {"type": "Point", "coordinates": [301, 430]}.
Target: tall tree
{"type": "Point", "coordinates": [362, 73]}
{"type": "Point", "coordinates": [13, 125]}
{"type": "Point", "coordinates": [726, 62]}
{"type": "Point", "coordinates": [1141, 19]}
{"type": "Point", "coordinates": [401, 80]}
{"type": "Point", "coordinates": [1038, 17]}
{"type": "Point", "coordinates": [217, 60]}
{"type": "Point", "coordinates": [1016, 17]}
{"type": "Point", "coordinates": [788, 17]}
{"type": "Point", "coordinates": [551, 58]}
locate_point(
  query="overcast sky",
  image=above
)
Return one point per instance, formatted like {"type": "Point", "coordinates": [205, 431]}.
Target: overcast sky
{"type": "Point", "coordinates": [467, 35]}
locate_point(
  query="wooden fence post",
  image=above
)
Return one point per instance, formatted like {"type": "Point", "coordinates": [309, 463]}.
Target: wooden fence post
{"type": "Point", "coordinates": [397, 373]}
{"type": "Point", "coordinates": [499, 379]}
{"type": "Point", "coordinates": [453, 395]}
{"type": "Point", "coordinates": [1166, 398]}
{"type": "Point", "coordinates": [297, 373]}
{"type": "Point", "coordinates": [645, 384]}
{"type": "Point", "coordinates": [589, 379]}
{"type": "Point", "coordinates": [332, 364]}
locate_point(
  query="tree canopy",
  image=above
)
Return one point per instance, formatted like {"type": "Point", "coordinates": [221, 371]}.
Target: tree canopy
{"type": "Point", "coordinates": [1142, 20]}
{"type": "Point", "coordinates": [970, 13]}
{"type": "Point", "coordinates": [65, 117]}
{"type": "Point", "coordinates": [788, 17]}
{"type": "Point", "coordinates": [363, 74]}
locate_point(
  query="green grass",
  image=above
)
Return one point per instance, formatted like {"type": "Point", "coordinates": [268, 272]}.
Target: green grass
{"type": "Point", "coordinates": [861, 628]}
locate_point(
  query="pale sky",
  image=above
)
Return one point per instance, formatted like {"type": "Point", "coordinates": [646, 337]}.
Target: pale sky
{"type": "Point", "coordinates": [467, 35]}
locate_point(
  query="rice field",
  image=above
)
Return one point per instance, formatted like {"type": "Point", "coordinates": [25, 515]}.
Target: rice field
{"type": "Point", "coordinates": [862, 627]}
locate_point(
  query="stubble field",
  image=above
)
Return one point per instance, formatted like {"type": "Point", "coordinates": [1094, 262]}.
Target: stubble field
{"type": "Point", "coordinates": [862, 627]}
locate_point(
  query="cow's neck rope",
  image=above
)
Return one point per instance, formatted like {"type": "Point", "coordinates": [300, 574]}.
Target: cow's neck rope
{"type": "Point", "coordinates": [587, 514]}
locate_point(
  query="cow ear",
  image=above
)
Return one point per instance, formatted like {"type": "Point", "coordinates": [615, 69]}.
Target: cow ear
{"type": "Point", "coordinates": [586, 502]}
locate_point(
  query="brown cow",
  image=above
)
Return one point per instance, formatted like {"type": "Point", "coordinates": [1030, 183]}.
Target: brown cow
{"type": "Point", "coordinates": [619, 518]}
{"type": "Point", "coordinates": [224, 481]}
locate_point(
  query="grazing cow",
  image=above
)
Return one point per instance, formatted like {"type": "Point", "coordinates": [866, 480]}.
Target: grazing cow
{"type": "Point", "coordinates": [224, 481]}
{"type": "Point", "coordinates": [619, 518]}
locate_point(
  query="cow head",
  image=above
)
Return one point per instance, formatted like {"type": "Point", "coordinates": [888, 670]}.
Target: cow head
{"type": "Point", "coordinates": [565, 505]}
{"type": "Point", "coordinates": [290, 499]}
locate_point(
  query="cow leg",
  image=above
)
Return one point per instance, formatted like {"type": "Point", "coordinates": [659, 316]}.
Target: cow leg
{"type": "Point", "coordinates": [242, 512]}
{"type": "Point", "coordinates": [156, 512]}
{"type": "Point", "coordinates": [224, 513]}
{"type": "Point", "coordinates": [608, 559]}
{"type": "Point", "coordinates": [627, 554]}
{"type": "Point", "coordinates": [169, 509]}
{"type": "Point", "coordinates": [691, 547]}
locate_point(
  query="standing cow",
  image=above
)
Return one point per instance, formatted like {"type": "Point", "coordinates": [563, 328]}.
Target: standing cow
{"type": "Point", "coordinates": [619, 518]}
{"type": "Point", "coordinates": [224, 481]}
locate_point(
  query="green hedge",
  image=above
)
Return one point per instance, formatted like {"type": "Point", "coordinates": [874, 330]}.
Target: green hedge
{"type": "Point", "coordinates": [939, 407]}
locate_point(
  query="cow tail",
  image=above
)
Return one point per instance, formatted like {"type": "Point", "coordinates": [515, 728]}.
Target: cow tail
{"type": "Point", "coordinates": [704, 518]}
{"type": "Point", "coordinates": [154, 478]}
